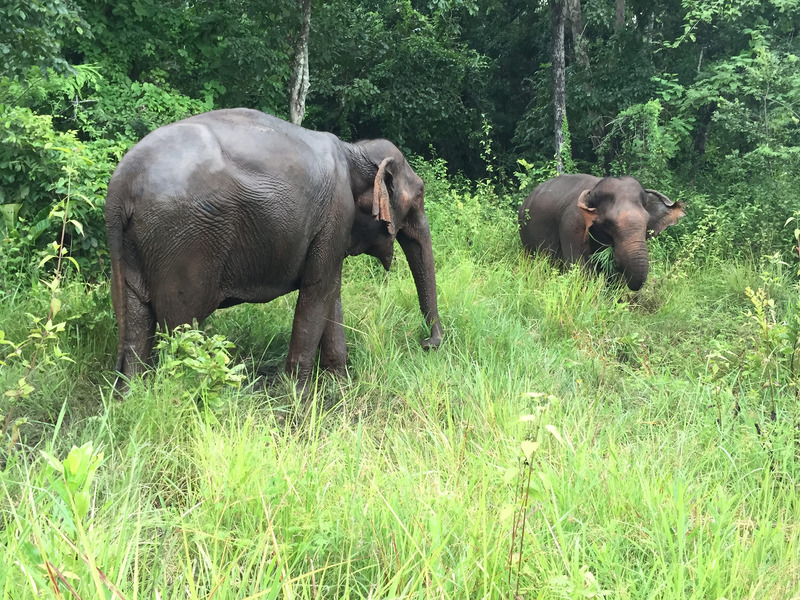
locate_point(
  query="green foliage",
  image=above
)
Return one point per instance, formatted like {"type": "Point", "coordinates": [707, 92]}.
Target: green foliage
{"type": "Point", "coordinates": [637, 143]}
{"type": "Point", "coordinates": [42, 170]}
{"type": "Point", "coordinates": [775, 353]}
{"type": "Point", "coordinates": [32, 33]}
{"type": "Point", "coordinates": [396, 71]}
{"type": "Point", "coordinates": [43, 162]}
{"type": "Point", "coordinates": [233, 52]}
{"type": "Point", "coordinates": [129, 110]}
{"type": "Point", "coordinates": [532, 175]}
{"type": "Point", "coordinates": [73, 483]}
{"type": "Point", "coordinates": [566, 149]}
{"type": "Point", "coordinates": [41, 346]}
{"type": "Point", "coordinates": [200, 362]}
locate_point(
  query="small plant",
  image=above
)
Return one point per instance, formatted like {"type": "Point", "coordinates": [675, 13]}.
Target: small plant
{"type": "Point", "coordinates": [532, 174]}
{"type": "Point", "coordinates": [41, 347]}
{"type": "Point", "coordinates": [73, 482]}
{"type": "Point", "coordinates": [52, 544]}
{"type": "Point", "coordinates": [775, 355]}
{"type": "Point", "coordinates": [773, 358]}
{"type": "Point", "coordinates": [566, 148]}
{"type": "Point", "coordinates": [534, 483]}
{"type": "Point", "coordinates": [202, 362]}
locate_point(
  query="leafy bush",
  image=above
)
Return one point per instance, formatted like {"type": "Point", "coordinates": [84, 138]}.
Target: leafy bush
{"type": "Point", "coordinates": [200, 361]}
{"type": "Point", "coordinates": [637, 142]}
{"type": "Point", "coordinates": [44, 172]}
{"type": "Point", "coordinates": [47, 168]}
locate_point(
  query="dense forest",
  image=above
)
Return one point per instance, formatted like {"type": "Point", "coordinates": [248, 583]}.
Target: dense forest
{"type": "Point", "coordinates": [700, 97]}
{"type": "Point", "coordinates": [570, 439]}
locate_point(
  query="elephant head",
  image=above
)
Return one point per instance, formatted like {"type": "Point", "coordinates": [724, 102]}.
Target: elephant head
{"type": "Point", "coordinates": [390, 206]}
{"type": "Point", "coordinates": [621, 213]}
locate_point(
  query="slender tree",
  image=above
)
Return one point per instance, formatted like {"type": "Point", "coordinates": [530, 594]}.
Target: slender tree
{"type": "Point", "coordinates": [619, 16]}
{"type": "Point", "coordinates": [559, 91]}
{"type": "Point", "coordinates": [299, 81]}
{"type": "Point", "coordinates": [576, 26]}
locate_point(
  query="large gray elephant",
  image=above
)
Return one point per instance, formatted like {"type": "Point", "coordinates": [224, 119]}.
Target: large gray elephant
{"type": "Point", "coordinates": [573, 216]}
{"type": "Point", "coordinates": [237, 206]}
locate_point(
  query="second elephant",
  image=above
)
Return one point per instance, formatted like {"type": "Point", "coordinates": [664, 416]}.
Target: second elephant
{"type": "Point", "coordinates": [574, 216]}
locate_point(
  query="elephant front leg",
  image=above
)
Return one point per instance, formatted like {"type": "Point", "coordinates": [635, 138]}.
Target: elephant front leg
{"type": "Point", "coordinates": [574, 248]}
{"type": "Point", "coordinates": [312, 313]}
{"type": "Point", "coordinates": [332, 346]}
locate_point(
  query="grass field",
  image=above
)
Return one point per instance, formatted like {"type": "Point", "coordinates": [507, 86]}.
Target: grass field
{"type": "Point", "coordinates": [568, 440]}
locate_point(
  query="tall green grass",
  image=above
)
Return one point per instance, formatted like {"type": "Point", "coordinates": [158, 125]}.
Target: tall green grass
{"type": "Point", "coordinates": [568, 440]}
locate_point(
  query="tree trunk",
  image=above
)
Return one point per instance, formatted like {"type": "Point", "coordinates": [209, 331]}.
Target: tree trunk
{"type": "Point", "coordinates": [576, 26]}
{"type": "Point", "coordinates": [298, 86]}
{"type": "Point", "coordinates": [559, 91]}
{"type": "Point", "coordinates": [619, 18]}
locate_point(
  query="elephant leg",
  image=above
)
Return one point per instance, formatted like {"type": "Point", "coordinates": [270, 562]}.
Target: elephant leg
{"type": "Point", "coordinates": [574, 249]}
{"type": "Point", "coordinates": [315, 305]}
{"type": "Point", "coordinates": [332, 346]}
{"type": "Point", "coordinates": [136, 341]}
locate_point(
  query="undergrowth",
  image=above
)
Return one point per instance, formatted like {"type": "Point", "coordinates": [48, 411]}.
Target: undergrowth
{"type": "Point", "coordinates": [570, 439]}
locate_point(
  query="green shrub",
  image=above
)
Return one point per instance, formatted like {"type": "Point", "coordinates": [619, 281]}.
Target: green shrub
{"type": "Point", "coordinates": [59, 145]}
{"type": "Point", "coordinates": [199, 361]}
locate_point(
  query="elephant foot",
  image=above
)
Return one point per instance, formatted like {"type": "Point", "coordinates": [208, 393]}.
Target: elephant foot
{"type": "Point", "coordinates": [121, 388]}
{"type": "Point", "coordinates": [339, 371]}
{"type": "Point", "coordinates": [433, 342]}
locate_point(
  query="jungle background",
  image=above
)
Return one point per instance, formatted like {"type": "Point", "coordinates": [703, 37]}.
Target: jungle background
{"type": "Point", "coordinates": [569, 440]}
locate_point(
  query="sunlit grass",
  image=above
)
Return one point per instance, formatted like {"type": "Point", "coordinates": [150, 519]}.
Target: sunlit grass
{"type": "Point", "coordinates": [649, 478]}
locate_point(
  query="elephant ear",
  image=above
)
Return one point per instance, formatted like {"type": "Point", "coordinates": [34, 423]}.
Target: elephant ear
{"type": "Point", "coordinates": [663, 212]}
{"type": "Point", "coordinates": [589, 213]}
{"type": "Point", "coordinates": [381, 206]}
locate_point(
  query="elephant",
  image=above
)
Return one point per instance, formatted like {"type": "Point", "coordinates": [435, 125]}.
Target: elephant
{"type": "Point", "coordinates": [573, 216]}
{"type": "Point", "coordinates": [235, 206]}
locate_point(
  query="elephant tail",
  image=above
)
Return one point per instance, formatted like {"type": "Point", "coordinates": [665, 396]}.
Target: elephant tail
{"type": "Point", "coordinates": [116, 223]}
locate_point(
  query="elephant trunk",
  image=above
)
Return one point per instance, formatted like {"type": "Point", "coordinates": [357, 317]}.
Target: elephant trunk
{"type": "Point", "coordinates": [415, 239]}
{"type": "Point", "coordinates": [633, 258]}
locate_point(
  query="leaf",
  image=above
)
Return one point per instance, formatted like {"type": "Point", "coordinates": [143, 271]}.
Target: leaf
{"type": "Point", "coordinates": [55, 305]}
{"type": "Point", "coordinates": [45, 260]}
{"type": "Point", "coordinates": [510, 475]}
{"type": "Point", "coordinates": [74, 262]}
{"type": "Point", "coordinates": [82, 503]}
{"type": "Point", "coordinates": [38, 229]}
{"type": "Point", "coordinates": [9, 213]}
{"type": "Point", "coordinates": [506, 512]}
{"type": "Point", "coordinates": [528, 448]}
{"type": "Point", "coordinates": [77, 226]}
{"type": "Point", "coordinates": [53, 461]}
{"type": "Point", "coordinates": [555, 433]}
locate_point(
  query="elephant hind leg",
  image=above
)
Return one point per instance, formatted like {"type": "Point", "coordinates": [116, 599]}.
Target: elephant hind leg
{"type": "Point", "coordinates": [332, 346]}
{"type": "Point", "coordinates": [136, 341]}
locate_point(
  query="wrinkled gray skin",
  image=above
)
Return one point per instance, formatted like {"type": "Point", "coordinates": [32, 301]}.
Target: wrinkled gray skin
{"type": "Point", "coordinates": [573, 216]}
{"type": "Point", "coordinates": [238, 206]}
